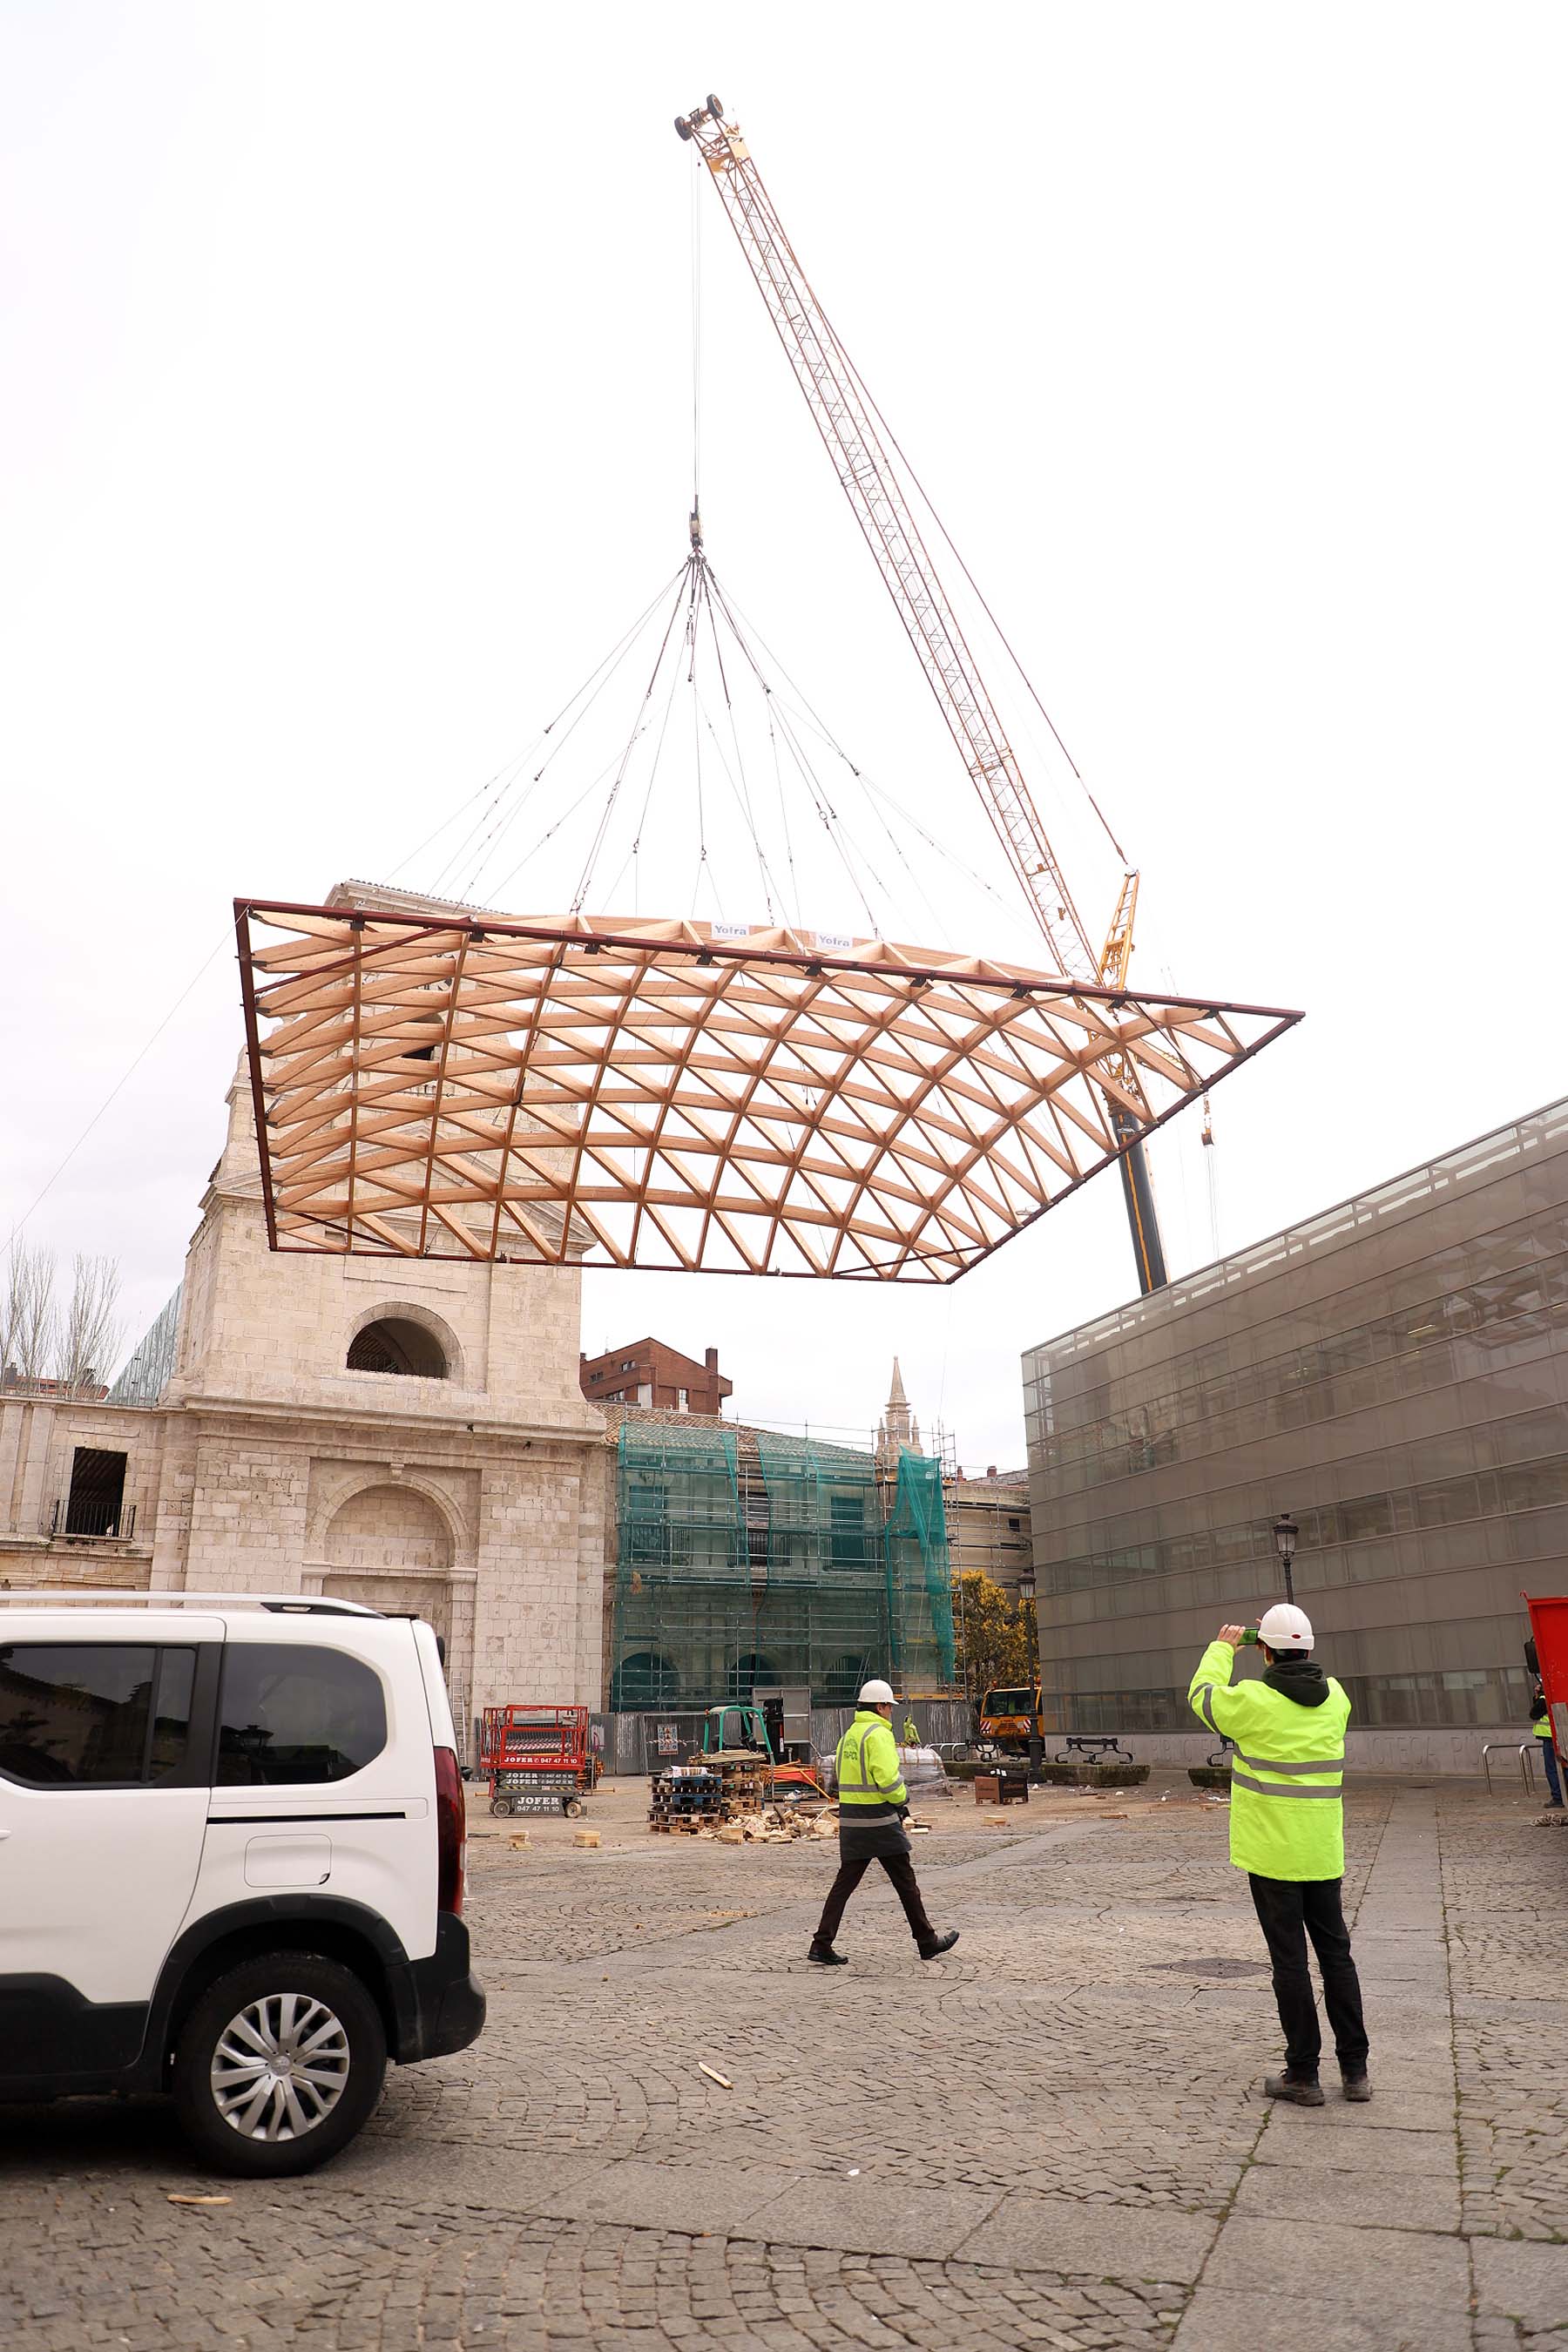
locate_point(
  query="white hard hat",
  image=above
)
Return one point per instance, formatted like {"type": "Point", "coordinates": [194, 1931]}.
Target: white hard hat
{"type": "Point", "coordinates": [1284, 1627]}
{"type": "Point", "coordinates": [876, 1694]}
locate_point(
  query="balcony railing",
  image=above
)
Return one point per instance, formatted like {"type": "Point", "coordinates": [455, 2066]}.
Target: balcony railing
{"type": "Point", "coordinates": [92, 1516]}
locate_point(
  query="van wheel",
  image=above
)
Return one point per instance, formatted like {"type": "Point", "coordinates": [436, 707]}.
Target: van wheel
{"type": "Point", "coordinates": [279, 2064]}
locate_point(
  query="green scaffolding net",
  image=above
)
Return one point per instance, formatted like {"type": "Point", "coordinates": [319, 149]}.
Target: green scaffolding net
{"type": "Point", "coordinates": [746, 1559]}
{"type": "Point", "coordinates": [919, 1580]}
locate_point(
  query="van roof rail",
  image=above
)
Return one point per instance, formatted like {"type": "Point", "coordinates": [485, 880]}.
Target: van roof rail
{"type": "Point", "coordinates": [289, 1604]}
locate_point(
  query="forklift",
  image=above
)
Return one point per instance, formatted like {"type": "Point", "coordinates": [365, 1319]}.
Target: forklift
{"type": "Point", "coordinates": [739, 1731]}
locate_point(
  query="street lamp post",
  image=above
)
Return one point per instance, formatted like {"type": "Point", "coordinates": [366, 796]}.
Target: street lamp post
{"type": "Point", "coordinates": [1285, 1534]}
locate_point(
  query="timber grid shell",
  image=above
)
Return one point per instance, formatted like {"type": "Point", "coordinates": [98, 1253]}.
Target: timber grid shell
{"type": "Point", "coordinates": [674, 1093]}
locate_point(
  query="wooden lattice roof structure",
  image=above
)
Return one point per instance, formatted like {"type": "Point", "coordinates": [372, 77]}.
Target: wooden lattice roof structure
{"type": "Point", "coordinates": [432, 1081]}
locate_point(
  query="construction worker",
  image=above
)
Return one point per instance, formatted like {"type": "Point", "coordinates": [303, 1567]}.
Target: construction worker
{"type": "Point", "coordinates": [1541, 1724]}
{"type": "Point", "coordinates": [873, 1806]}
{"type": "Point", "coordinates": [1286, 1831]}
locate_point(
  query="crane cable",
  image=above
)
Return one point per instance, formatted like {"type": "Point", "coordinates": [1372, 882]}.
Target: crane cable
{"type": "Point", "coordinates": [695, 341]}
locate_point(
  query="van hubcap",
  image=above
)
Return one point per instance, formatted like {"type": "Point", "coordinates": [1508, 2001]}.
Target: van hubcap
{"type": "Point", "coordinates": [281, 2066]}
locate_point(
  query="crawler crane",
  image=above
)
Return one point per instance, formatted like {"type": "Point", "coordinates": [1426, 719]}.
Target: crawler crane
{"type": "Point", "coordinates": [863, 455]}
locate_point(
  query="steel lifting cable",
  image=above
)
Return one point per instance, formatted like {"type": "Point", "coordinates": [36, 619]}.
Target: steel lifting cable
{"type": "Point", "coordinates": [567, 814]}
{"type": "Point", "coordinates": [743, 802]}
{"type": "Point", "coordinates": [780, 722]}
{"type": "Point", "coordinates": [696, 738]}
{"type": "Point", "coordinates": [613, 795]}
{"type": "Point", "coordinates": [592, 685]}
{"type": "Point", "coordinates": [743, 790]}
{"type": "Point", "coordinates": [831, 824]}
{"type": "Point", "coordinates": [635, 851]}
{"type": "Point", "coordinates": [810, 717]}
{"type": "Point", "coordinates": [696, 337]}
{"type": "Point", "coordinates": [507, 775]}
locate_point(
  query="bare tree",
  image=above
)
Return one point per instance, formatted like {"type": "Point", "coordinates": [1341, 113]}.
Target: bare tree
{"type": "Point", "coordinates": [28, 1322]}
{"type": "Point", "coordinates": [89, 1330]}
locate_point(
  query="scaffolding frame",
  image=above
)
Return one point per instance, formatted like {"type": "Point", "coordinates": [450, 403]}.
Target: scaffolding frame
{"type": "Point", "coordinates": [747, 1560]}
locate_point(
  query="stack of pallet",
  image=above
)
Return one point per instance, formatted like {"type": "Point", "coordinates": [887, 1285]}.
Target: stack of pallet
{"type": "Point", "coordinates": [686, 1797]}
{"type": "Point", "coordinates": [745, 1777]}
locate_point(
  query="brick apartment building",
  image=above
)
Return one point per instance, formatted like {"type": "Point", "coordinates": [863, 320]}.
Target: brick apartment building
{"type": "Point", "coordinates": [649, 1373]}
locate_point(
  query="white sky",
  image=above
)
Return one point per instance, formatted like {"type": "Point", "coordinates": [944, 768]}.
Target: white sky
{"type": "Point", "coordinates": [345, 363]}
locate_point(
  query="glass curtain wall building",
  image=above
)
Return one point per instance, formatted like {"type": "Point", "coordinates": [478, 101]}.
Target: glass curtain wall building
{"type": "Point", "coordinates": [1393, 1374]}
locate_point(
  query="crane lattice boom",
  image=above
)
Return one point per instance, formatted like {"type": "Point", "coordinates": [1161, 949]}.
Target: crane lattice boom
{"type": "Point", "coordinates": [871, 483]}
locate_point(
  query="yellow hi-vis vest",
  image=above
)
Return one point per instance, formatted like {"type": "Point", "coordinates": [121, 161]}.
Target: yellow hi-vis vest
{"type": "Point", "coordinates": [867, 1764]}
{"type": "Point", "coordinates": [1287, 1818]}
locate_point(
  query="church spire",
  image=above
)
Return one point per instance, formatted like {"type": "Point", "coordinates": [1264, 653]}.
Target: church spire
{"type": "Point", "coordinates": [897, 1432]}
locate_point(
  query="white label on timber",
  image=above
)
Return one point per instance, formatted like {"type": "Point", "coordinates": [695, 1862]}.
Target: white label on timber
{"type": "Point", "coordinates": [834, 943]}
{"type": "Point", "coordinates": [732, 930]}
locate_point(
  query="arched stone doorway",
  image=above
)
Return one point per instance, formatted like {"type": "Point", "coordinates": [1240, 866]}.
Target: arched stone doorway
{"type": "Point", "coordinates": [391, 1546]}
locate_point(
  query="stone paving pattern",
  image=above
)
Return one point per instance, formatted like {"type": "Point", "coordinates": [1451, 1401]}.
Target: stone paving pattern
{"type": "Point", "coordinates": [1055, 2138]}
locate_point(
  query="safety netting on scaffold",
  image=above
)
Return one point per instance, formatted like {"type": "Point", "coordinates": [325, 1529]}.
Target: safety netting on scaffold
{"type": "Point", "coordinates": [919, 1580]}
{"type": "Point", "coordinates": [746, 1559]}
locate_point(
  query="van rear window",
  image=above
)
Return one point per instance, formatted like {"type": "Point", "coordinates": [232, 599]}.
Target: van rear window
{"type": "Point", "coordinates": [291, 1713]}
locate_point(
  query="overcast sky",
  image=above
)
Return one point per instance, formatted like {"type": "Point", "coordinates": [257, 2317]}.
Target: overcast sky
{"type": "Point", "coordinates": [346, 374]}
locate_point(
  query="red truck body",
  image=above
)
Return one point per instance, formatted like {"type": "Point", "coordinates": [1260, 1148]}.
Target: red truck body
{"type": "Point", "coordinates": [1549, 1625]}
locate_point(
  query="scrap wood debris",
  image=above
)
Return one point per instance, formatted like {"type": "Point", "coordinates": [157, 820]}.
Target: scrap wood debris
{"type": "Point", "coordinates": [774, 1825]}
{"type": "Point", "coordinates": [714, 2076]}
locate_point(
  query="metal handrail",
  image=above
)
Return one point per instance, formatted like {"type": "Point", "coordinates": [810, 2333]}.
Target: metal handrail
{"type": "Point", "coordinates": [1526, 1762]}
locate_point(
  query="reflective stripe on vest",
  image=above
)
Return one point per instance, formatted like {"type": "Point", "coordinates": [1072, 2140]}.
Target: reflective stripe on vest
{"type": "Point", "coordinates": [1205, 1701]}
{"type": "Point", "coordinates": [1313, 1764]}
{"type": "Point", "coordinates": [1268, 1788]}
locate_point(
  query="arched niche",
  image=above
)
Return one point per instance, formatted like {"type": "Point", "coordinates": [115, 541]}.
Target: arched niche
{"type": "Point", "coordinates": [403, 1341]}
{"type": "Point", "coordinates": [390, 1527]}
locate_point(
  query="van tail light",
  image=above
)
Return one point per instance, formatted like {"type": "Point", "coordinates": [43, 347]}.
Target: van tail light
{"type": "Point", "coordinates": [451, 1833]}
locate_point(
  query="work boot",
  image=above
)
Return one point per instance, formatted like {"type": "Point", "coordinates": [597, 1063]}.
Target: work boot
{"type": "Point", "coordinates": [1296, 2092]}
{"type": "Point", "coordinates": [826, 1958]}
{"type": "Point", "coordinates": [942, 1944]}
{"type": "Point", "coordinates": [1356, 2089]}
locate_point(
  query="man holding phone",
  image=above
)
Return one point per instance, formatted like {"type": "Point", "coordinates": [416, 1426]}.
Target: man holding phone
{"type": "Point", "coordinates": [1286, 1831]}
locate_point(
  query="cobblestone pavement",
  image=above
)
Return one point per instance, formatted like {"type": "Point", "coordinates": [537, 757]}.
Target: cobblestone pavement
{"type": "Point", "coordinates": [1055, 2138]}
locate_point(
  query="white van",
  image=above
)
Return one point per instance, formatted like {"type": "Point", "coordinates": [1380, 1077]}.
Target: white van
{"type": "Point", "coordinates": [231, 1862]}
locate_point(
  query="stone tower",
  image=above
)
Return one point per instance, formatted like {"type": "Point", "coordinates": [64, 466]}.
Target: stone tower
{"type": "Point", "coordinates": [897, 1432]}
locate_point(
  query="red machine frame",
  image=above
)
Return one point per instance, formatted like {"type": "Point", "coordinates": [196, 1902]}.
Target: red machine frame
{"type": "Point", "coordinates": [528, 1752]}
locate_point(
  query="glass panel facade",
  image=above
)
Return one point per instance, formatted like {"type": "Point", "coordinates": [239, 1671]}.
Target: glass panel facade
{"type": "Point", "coordinates": [1393, 1374]}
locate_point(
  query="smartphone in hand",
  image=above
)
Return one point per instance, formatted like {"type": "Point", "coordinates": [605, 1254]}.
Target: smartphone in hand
{"type": "Point", "coordinates": [1250, 1637]}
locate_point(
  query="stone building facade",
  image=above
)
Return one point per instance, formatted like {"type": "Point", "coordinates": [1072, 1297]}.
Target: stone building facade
{"type": "Point", "coordinates": [408, 1433]}
{"type": "Point", "coordinates": [988, 1528]}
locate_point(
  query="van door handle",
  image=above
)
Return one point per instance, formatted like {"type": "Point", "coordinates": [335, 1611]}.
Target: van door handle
{"type": "Point", "coordinates": [3, 1835]}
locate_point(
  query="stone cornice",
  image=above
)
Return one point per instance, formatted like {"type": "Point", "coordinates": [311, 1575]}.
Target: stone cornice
{"type": "Point", "coordinates": [348, 1425]}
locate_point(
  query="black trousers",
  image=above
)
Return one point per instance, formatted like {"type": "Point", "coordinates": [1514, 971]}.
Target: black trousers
{"type": "Point", "coordinates": [1288, 1911]}
{"type": "Point", "coordinates": [901, 1871]}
